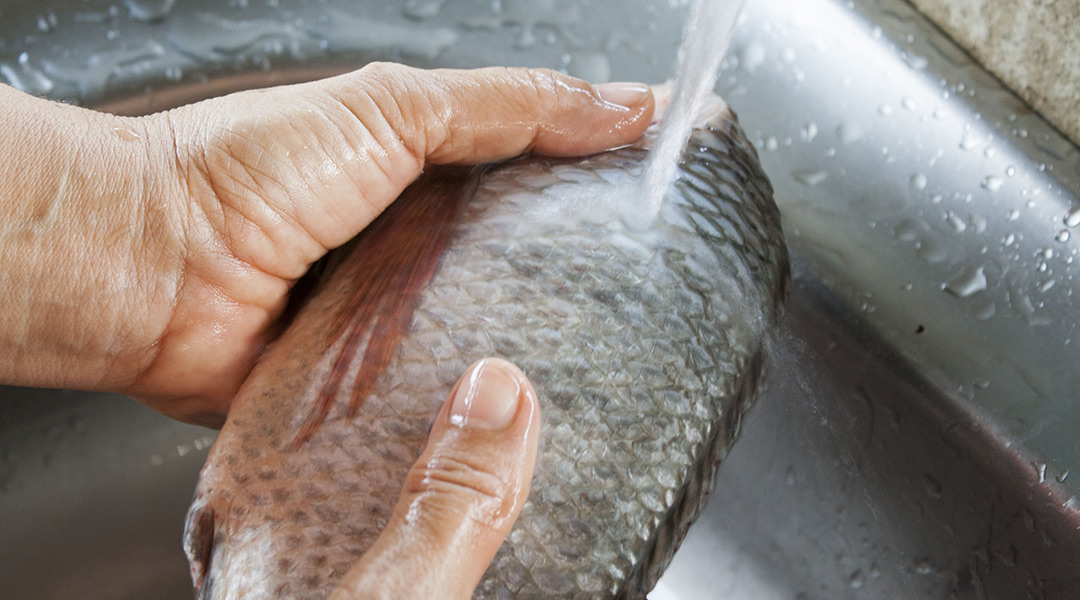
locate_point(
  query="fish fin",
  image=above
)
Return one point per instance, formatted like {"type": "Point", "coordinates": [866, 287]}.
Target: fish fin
{"type": "Point", "coordinates": [328, 392]}
{"type": "Point", "coordinates": [389, 265]}
{"type": "Point", "coordinates": [199, 545]}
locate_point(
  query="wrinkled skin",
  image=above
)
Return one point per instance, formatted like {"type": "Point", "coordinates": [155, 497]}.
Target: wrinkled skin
{"type": "Point", "coordinates": [154, 255]}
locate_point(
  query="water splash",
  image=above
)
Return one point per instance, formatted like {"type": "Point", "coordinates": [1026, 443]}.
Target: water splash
{"type": "Point", "coordinates": [149, 11]}
{"type": "Point", "coordinates": [705, 39]}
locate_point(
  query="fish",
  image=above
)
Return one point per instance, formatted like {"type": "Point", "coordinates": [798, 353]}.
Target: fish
{"type": "Point", "coordinates": [646, 346]}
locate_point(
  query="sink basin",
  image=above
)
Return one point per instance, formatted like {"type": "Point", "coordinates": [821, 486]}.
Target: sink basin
{"type": "Point", "coordinates": [915, 437]}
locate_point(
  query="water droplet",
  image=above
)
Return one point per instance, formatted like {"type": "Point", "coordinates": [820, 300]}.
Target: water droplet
{"type": "Point", "coordinates": [26, 77]}
{"type": "Point", "coordinates": [983, 309]}
{"type": "Point", "coordinates": [1014, 214]}
{"type": "Point", "coordinates": [969, 141]}
{"type": "Point", "coordinates": [526, 38]}
{"type": "Point", "coordinates": [857, 580]}
{"type": "Point", "coordinates": [969, 281]}
{"type": "Point", "coordinates": [1072, 216]}
{"type": "Point", "coordinates": [849, 131]}
{"type": "Point", "coordinates": [957, 223]}
{"type": "Point", "coordinates": [923, 567]}
{"type": "Point", "coordinates": [149, 10]}
{"type": "Point", "coordinates": [908, 103]}
{"type": "Point", "coordinates": [993, 183]}
{"type": "Point", "coordinates": [809, 132]}
{"type": "Point", "coordinates": [126, 133]}
{"type": "Point", "coordinates": [1062, 236]}
{"type": "Point", "coordinates": [423, 9]}
{"type": "Point", "coordinates": [46, 22]}
{"type": "Point", "coordinates": [918, 181]}
{"type": "Point", "coordinates": [979, 222]}
{"type": "Point", "coordinates": [885, 110]}
{"type": "Point", "coordinates": [932, 486]}
{"type": "Point", "coordinates": [931, 251]}
{"type": "Point", "coordinates": [752, 57]}
{"type": "Point", "coordinates": [1040, 470]}
{"type": "Point", "coordinates": [810, 177]}
{"type": "Point", "coordinates": [916, 62]}
{"type": "Point", "coordinates": [1062, 476]}
{"type": "Point", "coordinates": [1023, 306]}
{"type": "Point", "coordinates": [909, 230]}
{"type": "Point", "coordinates": [1010, 171]}
{"type": "Point", "coordinates": [771, 143]}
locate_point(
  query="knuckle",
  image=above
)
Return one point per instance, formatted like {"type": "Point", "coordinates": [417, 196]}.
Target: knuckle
{"type": "Point", "coordinates": [545, 84]}
{"type": "Point", "coordinates": [462, 485]}
{"type": "Point", "coordinates": [402, 99]}
{"type": "Point", "coordinates": [547, 94]}
{"type": "Point", "coordinates": [382, 70]}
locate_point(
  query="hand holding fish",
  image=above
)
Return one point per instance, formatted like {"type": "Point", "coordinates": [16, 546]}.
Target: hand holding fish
{"type": "Point", "coordinates": [461, 496]}
{"type": "Point", "coordinates": [154, 255]}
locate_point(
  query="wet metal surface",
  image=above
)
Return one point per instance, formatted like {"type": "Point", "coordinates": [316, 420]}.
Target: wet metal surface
{"type": "Point", "coordinates": [917, 435]}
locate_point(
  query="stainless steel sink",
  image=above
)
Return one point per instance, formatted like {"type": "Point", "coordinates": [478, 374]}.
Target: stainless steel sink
{"type": "Point", "coordinates": [917, 433]}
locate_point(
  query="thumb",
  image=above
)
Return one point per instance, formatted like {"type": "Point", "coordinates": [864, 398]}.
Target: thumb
{"type": "Point", "coordinates": [461, 496]}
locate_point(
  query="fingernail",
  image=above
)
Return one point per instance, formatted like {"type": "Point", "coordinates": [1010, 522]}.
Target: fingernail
{"type": "Point", "coordinates": [622, 93]}
{"type": "Point", "coordinates": [487, 397]}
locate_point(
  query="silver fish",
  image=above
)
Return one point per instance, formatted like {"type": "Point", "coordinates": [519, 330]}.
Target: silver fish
{"type": "Point", "coordinates": [645, 349]}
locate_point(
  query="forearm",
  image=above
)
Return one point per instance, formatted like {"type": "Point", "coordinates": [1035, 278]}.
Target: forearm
{"type": "Point", "coordinates": [75, 229]}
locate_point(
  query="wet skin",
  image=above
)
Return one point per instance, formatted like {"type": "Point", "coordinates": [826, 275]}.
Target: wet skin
{"type": "Point", "coordinates": [153, 256]}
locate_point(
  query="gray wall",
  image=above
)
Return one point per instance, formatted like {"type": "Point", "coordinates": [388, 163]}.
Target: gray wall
{"type": "Point", "coordinates": [1032, 45]}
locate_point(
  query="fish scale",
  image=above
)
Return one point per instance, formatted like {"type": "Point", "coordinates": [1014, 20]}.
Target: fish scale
{"type": "Point", "coordinates": [645, 349]}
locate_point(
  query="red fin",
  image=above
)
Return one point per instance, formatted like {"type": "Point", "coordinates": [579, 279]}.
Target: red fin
{"type": "Point", "coordinates": [389, 266]}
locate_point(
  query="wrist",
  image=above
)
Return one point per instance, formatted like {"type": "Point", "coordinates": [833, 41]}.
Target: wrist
{"type": "Point", "coordinates": [82, 220]}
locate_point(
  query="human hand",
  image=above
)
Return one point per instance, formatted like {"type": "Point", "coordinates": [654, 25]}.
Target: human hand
{"type": "Point", "coordinates": [154, 255]}
{"type": "Point", "coordinates": [462, 495]}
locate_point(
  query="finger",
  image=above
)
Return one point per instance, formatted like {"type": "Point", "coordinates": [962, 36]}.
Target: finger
{"type": "Point", "coordinates": [453, 116]}
{"type": "Point", "coordinates": [461, 496]}
{"type": "Point", "coordinates": [402, 118]}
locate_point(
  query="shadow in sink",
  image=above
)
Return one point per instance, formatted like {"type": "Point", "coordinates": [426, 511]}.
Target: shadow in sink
{"type": "Point", "coordinates": [93, 491]}
{"type": "Point", "coordinates": [855, 479]}
{"type": "Point", "coordinates": [852, 478]}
